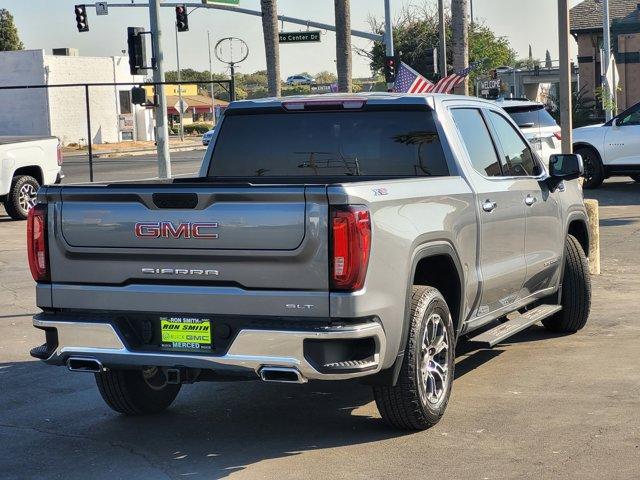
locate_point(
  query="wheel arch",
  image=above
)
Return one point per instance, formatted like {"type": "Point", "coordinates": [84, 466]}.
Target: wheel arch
{"type": "Point", "coordinates": [591, 146]}
{"type": "Point", "coordinates": [578, 226]}
{"type": "Point", "coordinates": [438, 265]}
{"type": "Point", "coordinates": [32, 171]}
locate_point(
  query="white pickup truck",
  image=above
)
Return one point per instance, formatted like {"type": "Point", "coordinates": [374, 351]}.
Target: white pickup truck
{"type": "Point", "coordinates": [25, 164]}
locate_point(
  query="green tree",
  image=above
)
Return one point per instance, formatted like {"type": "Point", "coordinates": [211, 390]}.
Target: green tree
{"type": "Point", "coordinates": [416, 30]}
{"type": "Point", "coordinates": [9, 38]}
{"type": "Point", "coordinates": [326, 77]}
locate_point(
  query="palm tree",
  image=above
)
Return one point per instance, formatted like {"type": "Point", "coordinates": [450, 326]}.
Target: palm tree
{"type": "Point", "coordinates": [460, 27]}
{"type": "Point", "coordinates": [343, 44]}
{"type": "Point", "coordinates": [271, 44]}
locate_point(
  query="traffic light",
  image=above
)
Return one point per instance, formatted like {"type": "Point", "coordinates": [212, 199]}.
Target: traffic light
{"type": "Point", "coordinates": [82, 21]}
{"type": "Point", "coordinates": [182, 19]}
{"type": "Point", "coordinates": [390, 69]}
{"type": "Point", "coordinates": [138, 96]}
{"type": "Point", "coordinates": [431, 62]}
{"type": "Point", "coordinates": [137, 45]}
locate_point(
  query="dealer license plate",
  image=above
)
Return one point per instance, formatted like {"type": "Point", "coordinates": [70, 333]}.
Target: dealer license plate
{"type": "Point", "coordinates": [186, 333]}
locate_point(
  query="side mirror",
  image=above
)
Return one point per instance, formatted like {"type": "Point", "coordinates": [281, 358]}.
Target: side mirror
{"type": "Point", "coordinates": [564, 167]}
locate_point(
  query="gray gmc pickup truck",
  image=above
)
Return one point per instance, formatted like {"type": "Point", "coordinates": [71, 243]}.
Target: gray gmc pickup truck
{"type": "Point", "coordinates": [325, 238]}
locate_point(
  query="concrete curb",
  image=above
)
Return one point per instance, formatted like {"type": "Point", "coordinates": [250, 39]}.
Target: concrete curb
{"type": "Point", "coordinates": [115, 154]}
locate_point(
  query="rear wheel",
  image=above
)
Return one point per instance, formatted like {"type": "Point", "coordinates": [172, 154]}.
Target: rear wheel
{"type": "Point", "coordinates": [576, 291]}
{"type": "Point", "coordinates": [420, 397]}
{"type": "Point", "coordinates": [21, 197]}
{"type": "Point", "coordinates": [593, 169]}
{"type": "Point", "coordinates": [136, 392]}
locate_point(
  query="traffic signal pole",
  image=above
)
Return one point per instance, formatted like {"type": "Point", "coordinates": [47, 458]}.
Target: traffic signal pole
{"type": "Point", "coordinates": [181, 113]}
{"type": "Point", "coordinates": [162, 131]}
{"type": "Point", "coordinates": [388, 35]}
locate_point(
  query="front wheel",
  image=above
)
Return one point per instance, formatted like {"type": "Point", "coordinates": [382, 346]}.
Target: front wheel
{"type": "Point", "coordinates": [420, 396]}
{"type": "Point", "coordinates": [576, 291]}
{"type": "Point", "coordinates": [593, 168]}
{"type": "Point", "coordinates": [136, 392]}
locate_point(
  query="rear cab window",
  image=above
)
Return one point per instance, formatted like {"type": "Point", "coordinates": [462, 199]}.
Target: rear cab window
{"type": "Point", "coordinates": [531, 116]}
{"type": "Point", "coordinates": [342, 144]}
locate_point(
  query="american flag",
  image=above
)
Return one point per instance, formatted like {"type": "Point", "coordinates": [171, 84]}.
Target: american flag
{"type": "Point", "coordinates": [448, 83]}
{"type": "Point", "coordinates": [410, 81]}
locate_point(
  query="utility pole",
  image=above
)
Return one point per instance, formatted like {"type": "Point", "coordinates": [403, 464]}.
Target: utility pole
{"type": "Point", "coordinates": [460, 27]}
{"type": "Point", "coordinates": [179, 87]}
{"type": "Point", "coordinates": [343, 44]}
{"type": "Point", "coordinates": [443, 39]}
{"type": "Point", "coordinates": [609, 94]}
{"type": "Point", "coordinates": [388, 35]}
{"type": "Point", "coordinates": [213, 98]}
{"type": "Point", "coordinates": [565, 78]}
{"type": "Point", "coordinates": [162, 132]}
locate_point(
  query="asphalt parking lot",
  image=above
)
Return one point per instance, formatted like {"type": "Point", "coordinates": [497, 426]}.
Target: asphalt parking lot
{"type": "Point", "coordinates": [539, 406]}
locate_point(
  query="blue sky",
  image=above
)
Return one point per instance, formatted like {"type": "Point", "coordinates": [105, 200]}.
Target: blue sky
{"type": "Point", "coordinates": [45, 24]}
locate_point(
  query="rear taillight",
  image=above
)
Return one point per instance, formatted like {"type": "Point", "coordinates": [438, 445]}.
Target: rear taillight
{"type": "Point", "coordinates": [60, 156]}
{"type": "Point", "coordinates": [37, 243]}
{"type": "Point", "coordinates": [558, 135]}
{"type": "Point", "coordinates": [351, 243]}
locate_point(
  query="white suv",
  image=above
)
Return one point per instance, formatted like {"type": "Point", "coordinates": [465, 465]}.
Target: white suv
{"type": "Point", "coordinates": [610, 149]}
{"type": "Point", "coordinates": [537, 124]}
{"type": "Point", "coordinates": [299, 80]}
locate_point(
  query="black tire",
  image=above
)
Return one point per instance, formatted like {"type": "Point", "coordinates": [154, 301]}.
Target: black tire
{"type": "Point", "coordinates": [635, 178]}
{"type": "Point", "coordinates": [133, 392]}
{"type": "Point", "coordinates": [405, 405]}
{"type": "Point", "coordinates": [21, 197]}
{"type": "Point", "coordinates": [593, 169]}
{"type": "Point", "coordinates": [576, 291]}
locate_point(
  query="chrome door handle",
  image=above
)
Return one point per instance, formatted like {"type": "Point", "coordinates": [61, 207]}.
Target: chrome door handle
{"type": "Point", "coordinates": [530, 200]}
{"type": "Point", "coordinates": [489, 206]}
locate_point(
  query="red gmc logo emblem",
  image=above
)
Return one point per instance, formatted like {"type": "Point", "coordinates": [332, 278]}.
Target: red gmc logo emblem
{"type": "Point", "coordinates": [168, 230]}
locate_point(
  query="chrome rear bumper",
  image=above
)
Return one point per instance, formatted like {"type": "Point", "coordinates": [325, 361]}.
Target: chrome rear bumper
{"type": "Point", "coordinates": [251, 351]}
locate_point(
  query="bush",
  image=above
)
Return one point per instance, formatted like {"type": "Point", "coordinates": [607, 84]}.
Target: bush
{"type": "Point", "coordinates": [197, 128]}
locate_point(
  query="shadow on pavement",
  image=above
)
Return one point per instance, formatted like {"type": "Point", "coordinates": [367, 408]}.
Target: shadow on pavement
{"type": "Point", "coordinates": [616, 193]}
{"type": "Point", "coordinates": [211, 431]}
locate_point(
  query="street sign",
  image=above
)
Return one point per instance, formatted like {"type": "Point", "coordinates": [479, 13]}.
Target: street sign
{"type": "Point", "coordinates": [300, 37]}
{"type": "Point", "coordinates": [491, 84]}
{"type": "Point", "coordinates": [102, 8]}
{"type": "Point", "coordinates": [227, 2]}
{"type": "Point", "coordinates": [185, 106]}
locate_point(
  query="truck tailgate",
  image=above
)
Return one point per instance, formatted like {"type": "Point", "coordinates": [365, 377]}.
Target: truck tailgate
{"type": "Point", "coordinates": [198, 247]}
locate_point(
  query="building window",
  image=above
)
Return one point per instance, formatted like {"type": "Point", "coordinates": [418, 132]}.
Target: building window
{"type": "Point", "coordinates": [125, 101]}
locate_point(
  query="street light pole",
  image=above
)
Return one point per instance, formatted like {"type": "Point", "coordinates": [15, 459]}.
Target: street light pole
{"type": "Point", "coordinates": [606, 61]}
{"type": "Point", "coordinates": [180, 113]}
{"type": "Point", "coordinates": [213, 101]}
{"type": "Point", "coordinates": [564, 94]}
{"type": "Point", "coordinates": [443, 39]}
{"type": "Point", "coordinates": [162, 132]}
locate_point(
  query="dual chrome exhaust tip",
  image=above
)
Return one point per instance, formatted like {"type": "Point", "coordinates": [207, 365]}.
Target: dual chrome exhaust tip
{"type": "Point", "coordinates": [267, 374]}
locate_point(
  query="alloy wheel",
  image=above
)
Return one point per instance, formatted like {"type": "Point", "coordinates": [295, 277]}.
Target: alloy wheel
{"type": "Point", "coordinates": [27, 197]}
{"type": "Point", "coordinates": [433, 358]}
